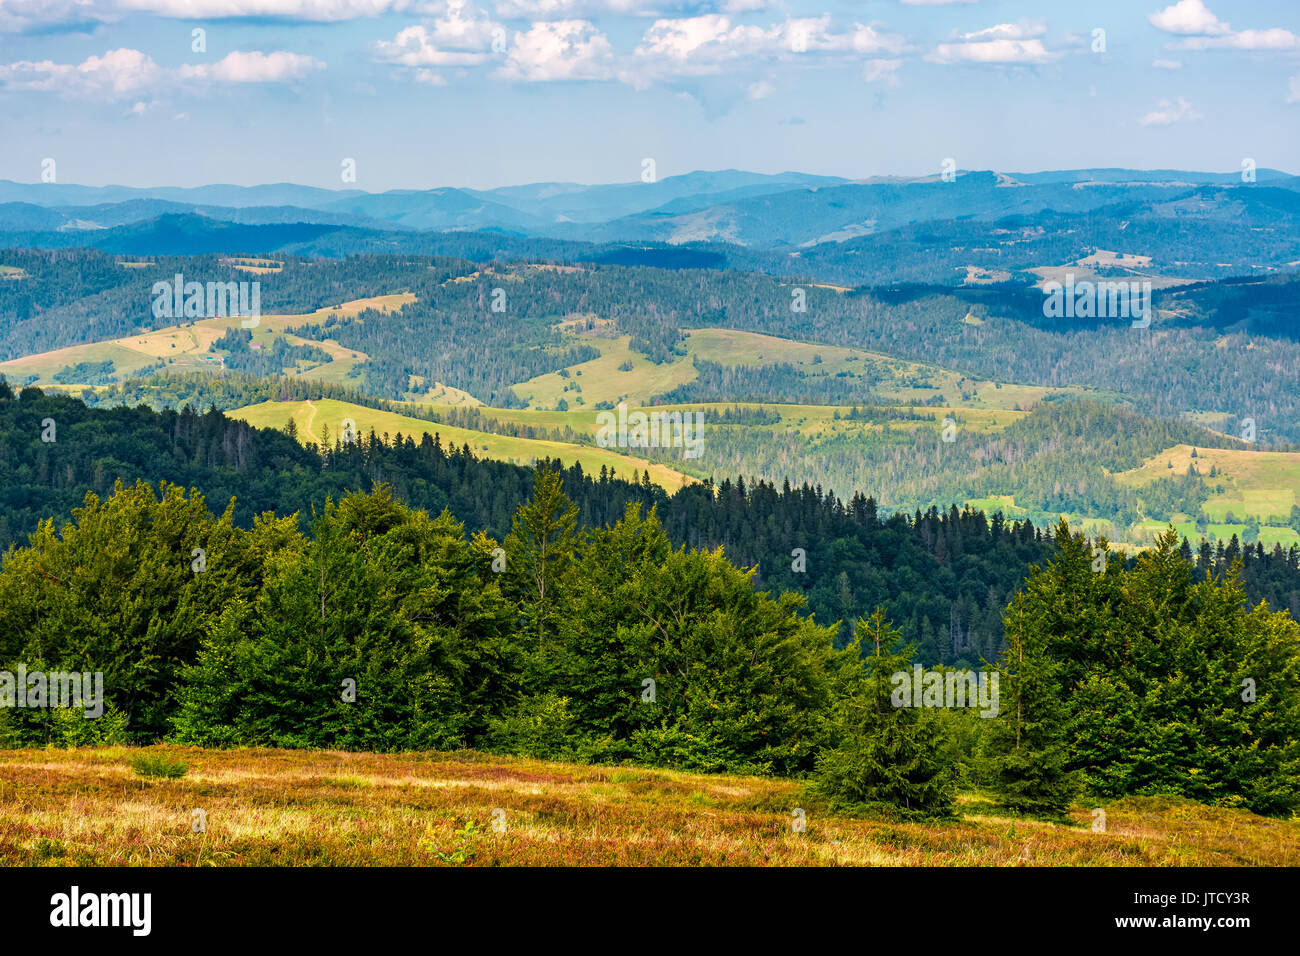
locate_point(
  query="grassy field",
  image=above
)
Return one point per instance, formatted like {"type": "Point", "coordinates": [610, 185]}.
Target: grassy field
{"type": "Point", "coordinates": [311, 808]}
{"type": "Point", "coordinates": [606, 379]}
{"type": "Point", "coordinates": [188, 346]}
{"type": "Point", "coordinates": [310, 416]}
{"type": "Point", "coordinates": [1264, 485]}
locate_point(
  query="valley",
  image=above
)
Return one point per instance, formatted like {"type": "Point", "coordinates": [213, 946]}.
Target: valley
{"type": "Point", "coordinates": [911, 433]}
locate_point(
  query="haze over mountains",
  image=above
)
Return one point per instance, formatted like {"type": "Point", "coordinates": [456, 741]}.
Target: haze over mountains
{"type": "Point", "coordinates": [741, 208]}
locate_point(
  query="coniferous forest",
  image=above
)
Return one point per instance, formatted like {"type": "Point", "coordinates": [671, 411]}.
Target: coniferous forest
{"type": "Point", "coordinates": [401, 596]}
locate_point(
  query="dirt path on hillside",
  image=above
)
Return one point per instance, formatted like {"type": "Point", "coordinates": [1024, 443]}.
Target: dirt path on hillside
{"type": "Point", "coordinates": [311, 418]}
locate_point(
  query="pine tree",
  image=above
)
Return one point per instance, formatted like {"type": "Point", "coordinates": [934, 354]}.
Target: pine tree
{"type": "Point", "coordinates": [540, 553]}
{"type": "Point", "coordinates": [1028, 739]}
{"type": "Point", "coordinates": [885, 757]}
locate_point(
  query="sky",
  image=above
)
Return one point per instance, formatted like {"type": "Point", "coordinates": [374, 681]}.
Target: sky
{"type": "Point", "coordinates": [484, 93]}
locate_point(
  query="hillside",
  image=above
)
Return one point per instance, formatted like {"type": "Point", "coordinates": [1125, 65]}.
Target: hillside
{"type": "Point", "coordinates": [309, 417]}
{"type": "Point", "coordinates": [328, 808]}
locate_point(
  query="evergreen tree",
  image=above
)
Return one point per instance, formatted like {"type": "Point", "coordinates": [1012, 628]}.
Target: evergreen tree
{"type": "Point", "coordinates": [884, 756]}
{"type": "Point", "coordinates": [1027, 741]}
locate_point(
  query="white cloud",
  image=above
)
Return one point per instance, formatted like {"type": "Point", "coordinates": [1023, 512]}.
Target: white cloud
{"type": "Point", "coordinates": [18, 15]}
{"type": "Point", "coordinates": [1293, 89]}
{"type": "Point", "coordinates": [706, 41]}
{"type": "Point", "coordinates": [558, 50]}
{"type": "Point", "coordinates": [415, 46]}
{"type": "Point", "coordinates": [1023, 30]}
{"type": "Point", "coordinates": [1168, 112]}
{"type": "Point", "coordinates": [115, 75]}
{"type": "Point", "coordinates": [1274, 39]}
{"type": "Point", "coordinates": [712, 43]}
{"type": "Point", "coordinates": [1005, 43]}
{"type": "Point", "coordinates": [760, 90]}
{"type": "Point", "coordinates": [882, 71]}
{"type": "Point", "coordinates": [26, 14]}
{"type": "Point", "coordinates": [1202, 30]}
{"type": "Point", "coordinates": [571, 9]}
{"type": "Point", "coordinates": [1188, 18]}
{"type": "Point", "coordinates": [124, 73]}
{"type": "Point", "coordinates": [1166, 64]}
{"type": "Point", "coordinates": [461, 35]}
{"type": "Point", "coordinates": [992, 51]}
{"type": "Point", "coordinates": [253, 67]}
{"type": "Point", "coordinates": [323, 11]}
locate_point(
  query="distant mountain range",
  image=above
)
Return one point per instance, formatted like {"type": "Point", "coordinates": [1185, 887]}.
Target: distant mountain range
{"type": "Point", "coordinates": [1190, 225]}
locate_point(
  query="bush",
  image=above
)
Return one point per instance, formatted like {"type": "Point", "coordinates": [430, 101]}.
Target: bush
{"type": "Point", "coordinates": [158, 765]}
{"type": "Point", "coordinates": [539, 727]}
{"type": "Point", "coordinates": [70, 727]}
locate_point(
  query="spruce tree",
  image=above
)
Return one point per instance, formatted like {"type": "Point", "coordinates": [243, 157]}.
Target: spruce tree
{"type": "Point", "coordinates": [1027, 742]}
{"type": "Point", "coordinates": [884, 757]}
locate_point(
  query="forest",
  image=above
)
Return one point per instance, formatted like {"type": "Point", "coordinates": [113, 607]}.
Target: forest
{"type": "Point", "coordinates": [1237, 335]}
{"type": "Point", "coordinates": [943, 576]}
{"type": "Point", "coordinates": [384, 628]}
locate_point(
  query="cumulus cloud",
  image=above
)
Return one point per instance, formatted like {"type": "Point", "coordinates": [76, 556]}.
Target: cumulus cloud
{"type": "Point", "coordinates": [253, 67]}
{"type": "Point", "coordinates": [1168, 112]}
{"type": "Point", "coordinates": [322, 11]}
{"type": "Point", "coordinates": [579, 9]}
{"type": "Point", "coordinates": [115, 75]}
{"type": "Point", "coordinates": [461, 35]}
{"type": "Point", "coordinates": [1188, 17]}
{"type": "Point", "coordinates": [16, 15]}
{"type": "Point", "coordinates": [1005, 43]}
{"type": "Point", "coordinates": [556, 50]}
{"type": "Point", "coordinates": [1274, 39]}
{"type": "Point", "coordinates": [123, 73]}
{"type": "Point", "coordinates": [697, 46]}
{"type": "Point", "coordinates": [1200, 29]}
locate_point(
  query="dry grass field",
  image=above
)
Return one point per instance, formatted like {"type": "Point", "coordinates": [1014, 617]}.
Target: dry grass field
{"type": "Point", "coordinates": [309, 416]}
{"type": "Point", "coordinates": [304, 808]}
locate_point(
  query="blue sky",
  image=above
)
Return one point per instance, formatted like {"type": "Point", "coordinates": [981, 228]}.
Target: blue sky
{"type": "Point", "coordinates": [485, 93]}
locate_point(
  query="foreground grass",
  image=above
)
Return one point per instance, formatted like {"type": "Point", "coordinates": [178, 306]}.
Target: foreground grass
{"type": "Point", "coordinates": [302, 808]}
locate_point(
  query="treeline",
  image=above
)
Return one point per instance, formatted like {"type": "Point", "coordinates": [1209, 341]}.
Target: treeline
{"type": "Point", "coordinates": [242, 356]}
{"type": "Point", "coordinates": [1142, 680]}
{"type": "Point", "coordinates": [70, 297]}
{"type": "Point", "coordinates": [1059, 459]}
{"type": "Point", "coordinates": [942, 576]}
{"type": "Point", "coordinates": [1237, 336]}
{"type": "Point", "coordinates": [229, 390]}
{"type": "Point", "coordinates": [779, 382]}
{"type": "Point", "coordinates": [386, 629]}
{"type": "Point", "coordinates": [482, 333]}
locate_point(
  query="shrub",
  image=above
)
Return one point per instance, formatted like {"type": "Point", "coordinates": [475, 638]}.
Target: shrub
{"type": "Point", "coordinates": [158, 765]}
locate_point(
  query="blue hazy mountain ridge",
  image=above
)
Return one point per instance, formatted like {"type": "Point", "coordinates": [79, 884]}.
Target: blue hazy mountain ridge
{"type": "Point", "coordinates": [21, 216]}
{"type": "Point", "coordinates": [838, 213]}
{"type": "Point", "coordinates": [561, 208]}
{"type": "Point", "coordinates": [1120, 175]}
{"type": "Point", "coordinates": [836, 231]}
{"type": "Point", "coordinates": [561, 202]}
{"type": "Point", "coordinates": [272, 194]}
